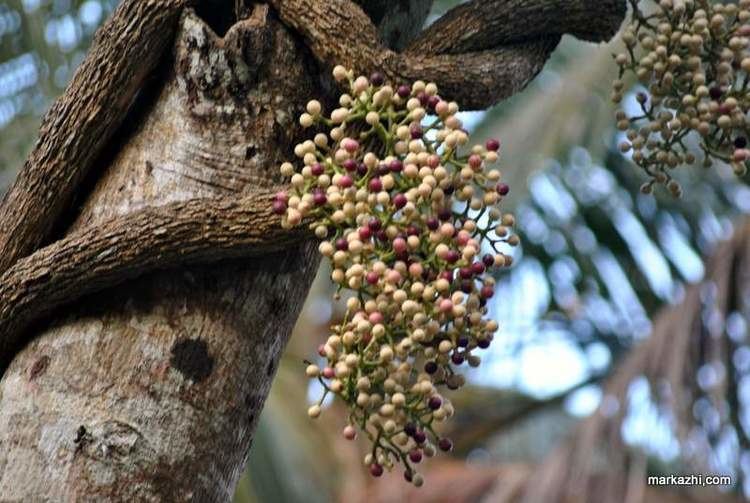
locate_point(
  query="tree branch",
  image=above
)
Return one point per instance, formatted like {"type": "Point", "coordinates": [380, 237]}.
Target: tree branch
{"type": "Point", "coordinates": [102, 256]}
{"type": "Point", "coordinates": [81, 122]}
{"type": "Point", "coordinates": [476, 63]}
{"type": "Point", "coordinates": [486, 24]}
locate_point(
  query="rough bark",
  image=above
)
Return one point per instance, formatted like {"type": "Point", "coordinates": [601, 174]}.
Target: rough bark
{"type": "Point", "coordinates": [151, 391]}
{"type": "Point", "coordinates": [83, 120]}
{"type": "Point", "coordinates": [476, 63]}
{"type": "Point", "coordinates": [103, 256]}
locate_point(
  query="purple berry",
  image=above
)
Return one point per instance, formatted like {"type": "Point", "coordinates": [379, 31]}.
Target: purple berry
{"type": "Point", "coordinates": [416, 131]}
{"type": "Point", "coordinates": [410, 429]}
{"type": "Point", "coordinates": [445, 214]}
{"type": "Point", "coordinates": [740, 142]}
{"type": "Point", "coordinates": [435, 402]}
{"type": "Point", "coordinates": [399, 200]}
{"type": "Point", "coordinates": [403, 91]}
{"type": "Point", "coordinates": [457, 359]}
{"type": "Point", "coordinates": [483, 344]}
{"type": "Point", "coordinates": [452, 256]}
{"type": "Point", "coordinates": [503, 189]}
{"type": "Point", "coordinates": [317, 169]}
{"type": "Point", "coordinates": [279, 207]}
{"type": "Point", "coordinates": [396, 166]}
{"type": "Point", "coordinates": [419, 437]}
{"type": "Point", "coordinates": [374, 224]}
{"type": "Point", "coordinates": [377, 79]}
{"type": "Point", "coordinates": [376, 470]}
{"type": "Point", "coordinates": [430, 367]}
{"type": "Point", "coordinates": [375, 185]}
{"type": "Point", "coordinates": [445, 444]}
{"type": "Point", "coordinates": [345, 181]}
{"type": "Point", "coordinates": [493, 145]}
{"type": "Point", "coordinates": [415, 455]}
{"type": "Point", "coordinates": [350, 165]}
{"type": "Point", "coordinates": [488, 260]}
{"type": "Point", "coordinates": [319, 198]}
{"type": "Point", "coordinates": [342, 244]}
{"type": "Point", "coordinates": [433, 223]}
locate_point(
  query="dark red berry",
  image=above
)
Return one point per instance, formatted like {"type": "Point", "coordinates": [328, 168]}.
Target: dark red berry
{"type": "Point", "coordinates": [345, 181]}
{"type": "Point", "coordinates": [434, 402]}
{"type": "Point", "coordinates": [396, 166]}
{"type": "Point", "coordinates": [416, 131]}
{"type": "Point", "coordinates": [477, 268]}
{"type": "Point", "coordinates": [487, 292]}
{"type": "Point", "coordinates": [376, 470]}
{"type": "Point", "coordinates": [445, 444]}
{"type": "Point", "coordinates": [503, 189]}
{"type": "Point", "coordinates": [488, 260]}
{"type": "Point", "coordinates": [279, 207]}
{"type": "Point", "coordinates": [465, 272]}
{"type": "Point", "coordinates": [452, 256]}
{"type": "Point", "coordinates": [423, 97]}
{"type": "Point", "coordinates": [361, 169]}
{"type": "Point", "coordinates": [467, 286]}
{"type": "Point", "coordinates": [350, 165]}
{"type": "Point", "coordinates": [377, 79]}
{"type": "Point", "coordinates": [432, 102]}
{"type": "Point", "coordinates": [415, 455]}
{"type": "Point", "coordinates": [317, 169]}
{"type": "Point", "coordinates": [410, 429]}
{"type": "Point", "coordinates": [342, 244]}
{"type": "Point", "coordinates": [403, 91]}
{"type": "Point", "coordinates": [319, 197]}
{"type": "Point", "coordinates": [412, 231]}
{"type": "Point", "coordinates": [419, 437]}
{"type": "Point", "coordinates": [374, 224]}
{"type": "Point", "coordinates": [372, 277]}
{"type": "Point", "coordinates": [445, 214]}
{"type": "Point", "coordinates": [375, 185]}
{"type": "Point", "coordinates": [432, 223]}
{"type": "Point", "coordinates": [399, 200]}
{"type": "Point", "coordinates": [447, 275]}
{"type": "Point", "coordinates": [493, 145]}
{"type": "Point", "coordinates": [365, 233]}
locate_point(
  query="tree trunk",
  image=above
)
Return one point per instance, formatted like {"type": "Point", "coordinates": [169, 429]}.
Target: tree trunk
{"type": "Point", "coordinates": [151, 392]}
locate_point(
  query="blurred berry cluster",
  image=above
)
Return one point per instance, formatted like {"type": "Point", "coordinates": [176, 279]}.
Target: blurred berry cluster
{"type": "Point", "coordinates": [411, 225]}
{"type": "Point", "coordinates": [693, 58]}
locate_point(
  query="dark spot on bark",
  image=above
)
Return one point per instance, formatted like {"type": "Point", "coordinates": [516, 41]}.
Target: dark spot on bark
{"type": "Point", "coordinates": [149, 167]}
{"type": "Point", "coordinates": [250, 151]}
{"type": "Point", "coordinates": [190, 357]}
{"type": "Point", "coordinates": [269, 370]}
{"type": "Point", "coordinates": [39, 367]}
{"type": "Point", "coordinates": [80, 434]}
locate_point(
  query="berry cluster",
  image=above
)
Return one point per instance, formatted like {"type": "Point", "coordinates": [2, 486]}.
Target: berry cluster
{"type": "Point", "coordinates": [404, 219]}
{"type": "Point", "coordinates": [693, 56]}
